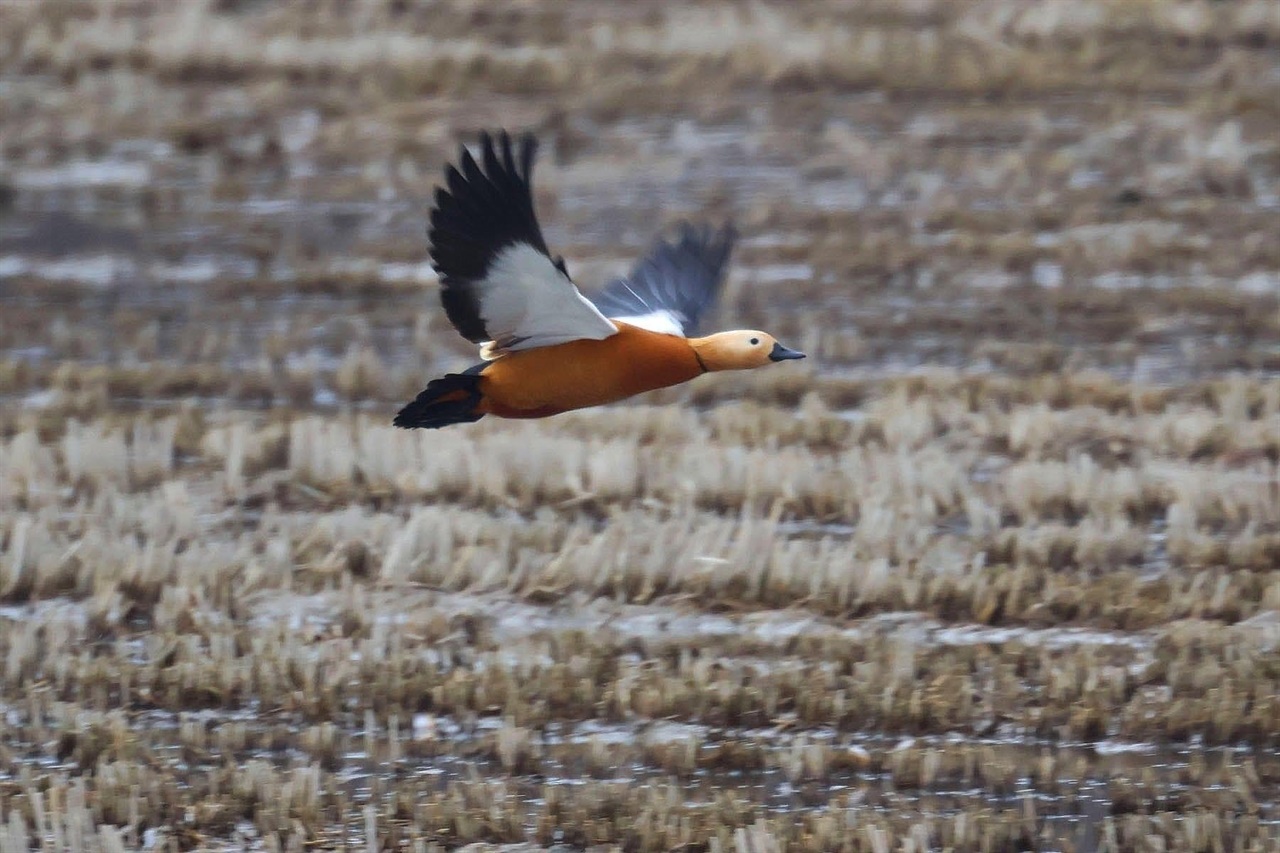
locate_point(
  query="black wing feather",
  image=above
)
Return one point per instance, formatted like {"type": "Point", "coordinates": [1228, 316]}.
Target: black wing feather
{"type": "Point", "coordinates": [683, 277]}
{"type": "Point", "coordinates": [480, 212]}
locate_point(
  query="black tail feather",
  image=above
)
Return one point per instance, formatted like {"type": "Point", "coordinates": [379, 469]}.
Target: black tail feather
{"type": "Point", "coordinates": [460, 393]}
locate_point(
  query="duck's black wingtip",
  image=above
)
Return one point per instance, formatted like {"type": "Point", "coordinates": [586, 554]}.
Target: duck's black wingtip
{"type": "Point", "coordinates": [485, 205]}
{"type": "Point", "coordinates": [681, 274]}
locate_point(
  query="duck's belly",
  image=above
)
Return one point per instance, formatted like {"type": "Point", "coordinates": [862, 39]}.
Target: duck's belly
{"type": "Point", "coordinates": [546, 381]}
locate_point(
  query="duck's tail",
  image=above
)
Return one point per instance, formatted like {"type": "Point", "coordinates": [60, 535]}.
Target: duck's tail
{"type": "Point", "coordinates": [451, 399]}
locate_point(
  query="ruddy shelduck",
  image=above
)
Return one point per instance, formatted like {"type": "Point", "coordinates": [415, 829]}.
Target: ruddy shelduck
{"type": "Point", "coordinates": [546, 349]}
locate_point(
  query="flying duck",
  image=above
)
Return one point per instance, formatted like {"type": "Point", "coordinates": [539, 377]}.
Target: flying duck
{"type": "Point", "coordinates": [545, 348]}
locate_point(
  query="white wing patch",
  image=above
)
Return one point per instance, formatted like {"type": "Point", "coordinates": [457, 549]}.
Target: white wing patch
{"type": "Point", "coordinates": [663, 321]}
{"type": "Point", "coordinates": [526, 303]}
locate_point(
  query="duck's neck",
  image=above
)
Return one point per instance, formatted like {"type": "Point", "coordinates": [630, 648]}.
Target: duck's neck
{"type": "Point", "coordinates": [713, 355]}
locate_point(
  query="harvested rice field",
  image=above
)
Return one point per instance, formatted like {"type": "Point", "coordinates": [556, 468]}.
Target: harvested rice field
{"type": "Point", "coordinates": [997, 568]}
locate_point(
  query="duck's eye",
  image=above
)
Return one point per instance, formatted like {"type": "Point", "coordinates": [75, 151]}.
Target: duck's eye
{"type": "Point", "coordinates": [755, 341]}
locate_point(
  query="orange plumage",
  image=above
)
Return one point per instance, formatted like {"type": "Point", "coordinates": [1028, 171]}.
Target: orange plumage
{"type": "Point", "coordinates": [546, 381]}
{"type": "Point", "coordinates": [548, 348]}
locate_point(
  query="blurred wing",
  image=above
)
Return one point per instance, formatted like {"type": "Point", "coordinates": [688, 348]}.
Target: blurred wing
{"type": "Point", "coordinates": [674, 285]}
{"type": "Point", "coordinates": [499, 284]}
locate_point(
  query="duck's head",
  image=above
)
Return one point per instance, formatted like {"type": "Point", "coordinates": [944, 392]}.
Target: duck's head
{"type": "Point", "coordinates": [742, 349]}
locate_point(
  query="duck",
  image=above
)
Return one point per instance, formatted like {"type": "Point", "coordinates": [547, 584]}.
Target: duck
{"type": "Point", "coordinates": [545, 348]}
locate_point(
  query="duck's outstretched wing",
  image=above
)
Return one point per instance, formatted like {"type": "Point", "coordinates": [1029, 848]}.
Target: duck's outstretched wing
{"type": "Point", "coordinates": [498, 282]}
{"type": "Point", "coordinates": [672, 287]}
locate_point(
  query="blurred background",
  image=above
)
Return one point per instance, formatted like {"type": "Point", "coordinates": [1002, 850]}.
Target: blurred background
{"type": "Point", "coordinates": [241, 187]}
{"type": "Point", "coordinates": [996, 567]}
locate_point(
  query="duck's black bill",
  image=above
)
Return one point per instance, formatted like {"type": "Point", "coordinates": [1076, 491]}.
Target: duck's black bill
{"type": "Point", "coordinates": [781, 353]}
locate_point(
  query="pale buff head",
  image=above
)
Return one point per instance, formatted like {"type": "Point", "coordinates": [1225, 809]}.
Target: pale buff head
{"type": "Point", "coordinates": [741, 349]}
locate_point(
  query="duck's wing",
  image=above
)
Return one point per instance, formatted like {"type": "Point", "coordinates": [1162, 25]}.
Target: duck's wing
{"type": "Point", "coordinates": [498, 282]}
{"type": "Point", "coordinates": [672, 287]}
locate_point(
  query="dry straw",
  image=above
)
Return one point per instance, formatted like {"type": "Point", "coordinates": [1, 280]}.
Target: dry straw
{"type": "Point", "coordinates": [995, 569]}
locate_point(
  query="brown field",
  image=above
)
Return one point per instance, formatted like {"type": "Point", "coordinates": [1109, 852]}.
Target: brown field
{"type": "Point", "coordinates": [997, 568]}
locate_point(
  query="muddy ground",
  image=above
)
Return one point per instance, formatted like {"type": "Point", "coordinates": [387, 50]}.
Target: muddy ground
{"type": "Point", "coordinates": [994, 569]}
